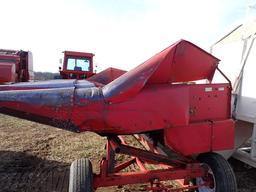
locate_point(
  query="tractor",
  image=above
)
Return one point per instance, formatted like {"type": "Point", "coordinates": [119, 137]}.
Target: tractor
{"type": "Point", "coordinates": [76, 65]}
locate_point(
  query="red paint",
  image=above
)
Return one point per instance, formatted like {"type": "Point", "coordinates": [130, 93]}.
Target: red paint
{"type": "Point", "coordinates": [7, 72]}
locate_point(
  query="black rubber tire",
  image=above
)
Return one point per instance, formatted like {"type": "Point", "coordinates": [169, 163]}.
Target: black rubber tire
{"type": "Point", "coordinates": [81, 176]}
{"type": "Point", "coordinates": [225, 179]}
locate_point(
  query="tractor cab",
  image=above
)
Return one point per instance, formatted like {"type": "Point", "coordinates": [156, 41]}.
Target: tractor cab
{"type": "Point", "coordinates": [77, 65]}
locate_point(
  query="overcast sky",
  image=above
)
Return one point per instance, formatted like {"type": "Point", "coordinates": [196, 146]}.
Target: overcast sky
{"type": "Point", "coordinates": [121, 33]}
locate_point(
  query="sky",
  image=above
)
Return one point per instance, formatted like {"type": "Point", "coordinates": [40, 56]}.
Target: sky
{"type": "Point", "coordinates": [121, 33]}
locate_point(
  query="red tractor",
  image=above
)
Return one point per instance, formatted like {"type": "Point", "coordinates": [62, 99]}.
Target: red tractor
{"type": "Point", "coordinates": [15, 66]}
{"type": "Point", "coordinates": [77, 65]}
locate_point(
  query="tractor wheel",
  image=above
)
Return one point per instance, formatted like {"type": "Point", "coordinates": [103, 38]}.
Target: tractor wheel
{"type": "Point", "coordinates": [81, 176]}
{"type": "Point", "coordinates": [220, 176]}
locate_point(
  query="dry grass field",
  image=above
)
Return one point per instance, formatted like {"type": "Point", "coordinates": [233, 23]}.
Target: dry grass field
{"type": "Point", "coordinates": [35, 157]}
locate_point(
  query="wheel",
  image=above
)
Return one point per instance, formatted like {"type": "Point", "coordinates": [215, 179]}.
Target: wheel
{"type": "Point", "coordinates": [81, 176]}
{"type": "Point", "coordinates": [220, 176]}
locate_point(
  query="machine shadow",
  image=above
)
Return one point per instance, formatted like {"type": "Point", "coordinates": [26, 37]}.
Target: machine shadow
{"type": "Point", "coordinates": [21, 171]}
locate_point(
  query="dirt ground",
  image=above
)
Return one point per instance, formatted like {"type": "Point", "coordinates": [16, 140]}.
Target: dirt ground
{"type": "Point", "coordinates": [35, 157]}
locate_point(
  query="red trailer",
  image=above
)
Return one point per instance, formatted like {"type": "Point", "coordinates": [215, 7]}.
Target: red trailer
{"type": "Point", "coordinates": [180, 122]}
{"type": "Point", "coordinates": [15, 66]}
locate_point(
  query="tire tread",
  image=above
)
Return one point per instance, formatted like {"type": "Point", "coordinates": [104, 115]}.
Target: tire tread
{"type": "Point", "coordinates": [224, 175]}
{"type": "Point", "coordinates": [81, 176]}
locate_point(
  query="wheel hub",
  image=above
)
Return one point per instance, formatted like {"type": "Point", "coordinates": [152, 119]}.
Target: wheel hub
{"type": "Point", "coordinates": [206, 183]}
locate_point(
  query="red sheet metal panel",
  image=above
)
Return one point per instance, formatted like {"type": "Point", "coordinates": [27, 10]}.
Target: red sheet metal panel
{"type": "Point", "coordinates": [209, 128]}
{"type": "Point", "coordinates": [223, 135]}
{"type": "Point", "coordinates": [209, 101]}
{"type": "Point", "coordinates": [183, 62]}
{"type": "Point", "coordinates": [201, 137]}
{"type": "Point", "coordinates": [7, 72]}
{"type": "Point", "coordinates": [156, 107]}
{"type": "Point", "coordinates": [188, 140]}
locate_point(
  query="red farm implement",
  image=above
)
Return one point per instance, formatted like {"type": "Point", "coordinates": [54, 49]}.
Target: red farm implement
{"type": "Point", "coordinates": [180, 123]}
{"type": "Point", "coordinates": [15, 66]}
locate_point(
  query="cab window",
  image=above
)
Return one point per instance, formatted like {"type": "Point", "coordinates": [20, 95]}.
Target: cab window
{"type": "Point", "coordinates": [78, 64]}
